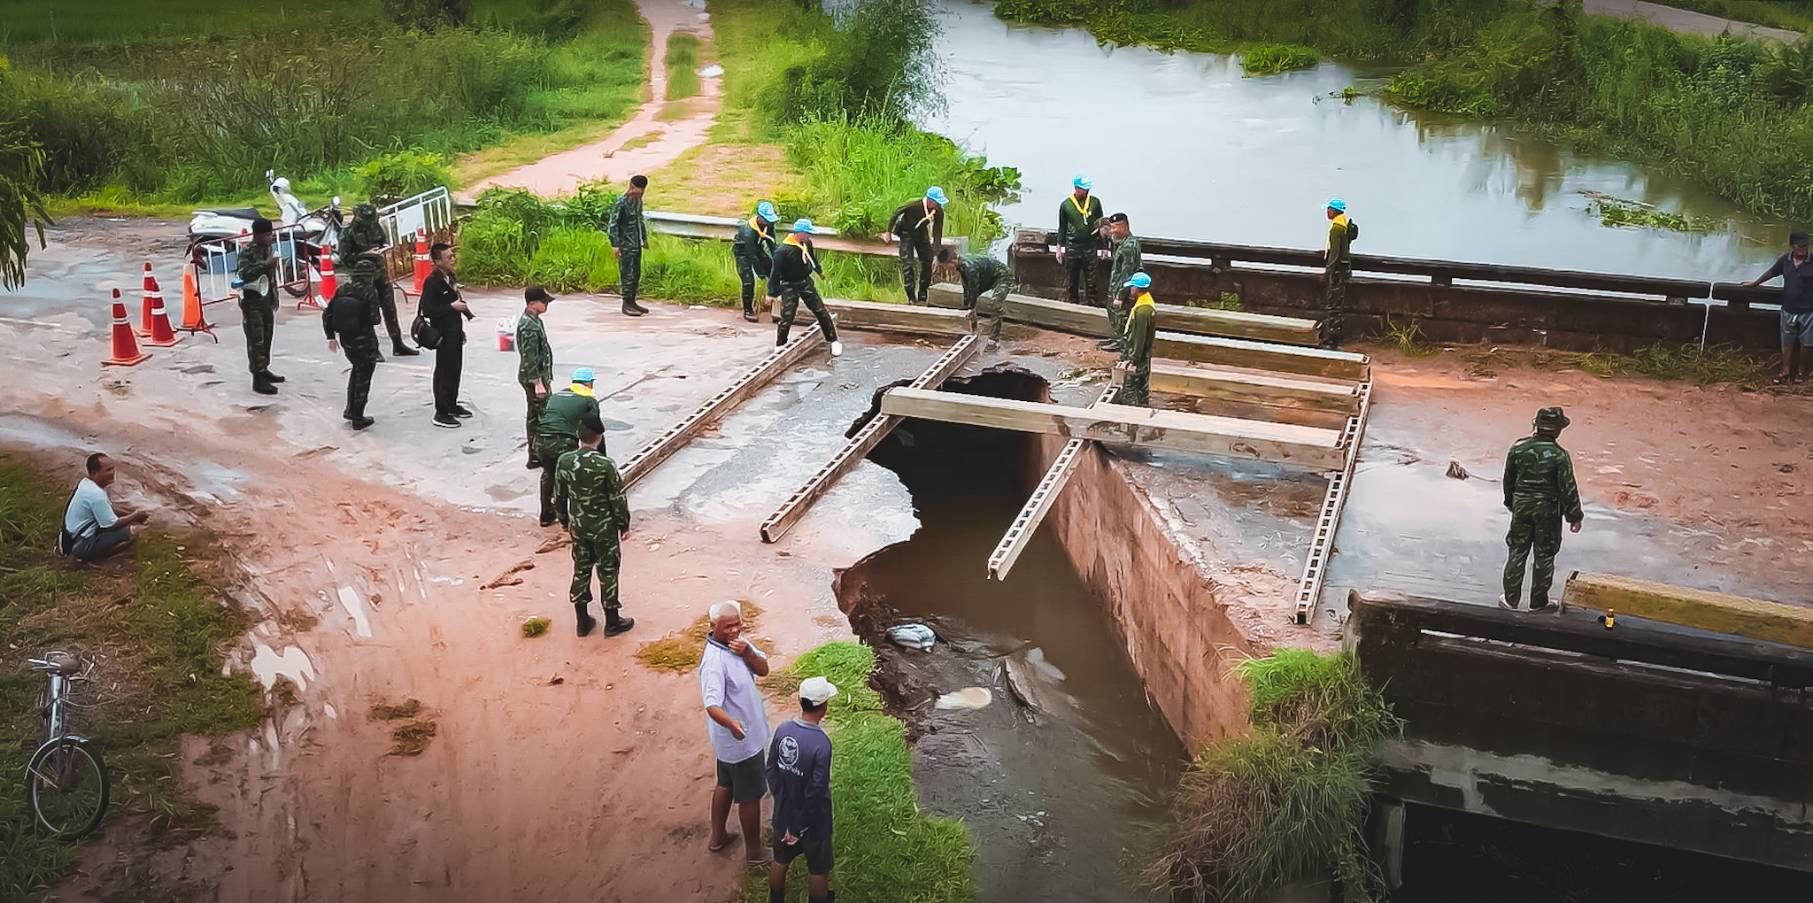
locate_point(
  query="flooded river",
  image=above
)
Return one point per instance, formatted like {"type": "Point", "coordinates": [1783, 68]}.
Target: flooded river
{"type": "Point", "coordinates": [1190, 148]}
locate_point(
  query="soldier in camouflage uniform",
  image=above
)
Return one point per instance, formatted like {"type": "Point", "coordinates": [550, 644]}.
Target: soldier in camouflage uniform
{"type": "Point", "coordinates": [558, 433]}
{"type": "Point", "coordinates": [1540, 493]}
{"type": "Point", "coordinates": [1079, 244]}
{"type": "Point", "coordinates": [918, 227]}
{"type": "Point", "coordinates": [1139, 336]}
{"type": "Point", "coordinates": [1337, 269]}
{"type": "Point", "coordinates": [535, 362]}
{"type": "Point", "coordinates": [258, 303]}
{"type": "Point", "coordinates": [986, 283]}
{"type": "Point", "coordinates": [364, 237]}
{"type": "Point", "coordinates": [598, 517]}
{"type": "Point", "coordinates": [350, 321]}
{"type": "Point", "coordinates": [628, 233]}
{"type": "Point", "coordinates": [1125, 261]}
{"type": "Point", "coordinates": [753, 250]}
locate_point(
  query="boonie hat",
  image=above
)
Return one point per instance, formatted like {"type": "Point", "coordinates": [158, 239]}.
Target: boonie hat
{"type": "Point", "coordinates": [1552, 418]}
{"type": "Point", "coordinates": [536, 293]}
{"type": "Point", "coordinates": [817, 690]}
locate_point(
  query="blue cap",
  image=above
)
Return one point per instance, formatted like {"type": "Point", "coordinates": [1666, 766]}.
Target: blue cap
{"type": "Point", "coordinates": [766, 211]}
{"type": "Point", "coordinates": [1140, 280]}
{"type": "Point", "coordinates": [1083, 182]}
{"type": "Point", "coordinates": [1337, 204]}
{"type": "Point", "coordinates": [803, 225]}
{"type": "Point", "coordinates": [936, 195]}
{"type": "Point", "coordinates": [583, 375]}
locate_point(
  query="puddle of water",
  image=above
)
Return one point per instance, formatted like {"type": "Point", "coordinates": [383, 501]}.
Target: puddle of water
{"type": "Point", "coordinates": [268, 664]}
{"type": "Point", "coordinates": [355, 607]}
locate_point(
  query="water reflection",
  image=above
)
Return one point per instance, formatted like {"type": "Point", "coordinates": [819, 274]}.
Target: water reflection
{"type": "Point", "coordinates": [1190, 148]}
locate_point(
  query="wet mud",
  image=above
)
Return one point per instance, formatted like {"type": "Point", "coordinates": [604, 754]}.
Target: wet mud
{"type": "Point", "coordinates": [1061, 769]}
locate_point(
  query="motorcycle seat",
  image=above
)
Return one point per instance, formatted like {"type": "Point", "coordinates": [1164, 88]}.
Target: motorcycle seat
{"type": "Point", "coordinates": [235, 212]}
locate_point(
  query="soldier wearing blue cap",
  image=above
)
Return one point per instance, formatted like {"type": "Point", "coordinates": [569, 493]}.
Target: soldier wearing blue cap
{"type": "Point", "coordinates": [753, 250]}
{"type": "Point", "coordinates": [919, 228]}
{"type": "Point", "coordinates": [1337, 268]}
{"type": "Point", "coordinates": [558, 433]}
{"type": "Point", "coordinates": [1138, 338]}
{"type": "Point", "coordinates": [1079, 241]}
{"type": "Point", "coordinates": [790, 280]}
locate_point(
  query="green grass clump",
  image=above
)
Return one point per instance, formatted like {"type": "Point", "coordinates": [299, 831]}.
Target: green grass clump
{"type": "Point", "coordinates": [1408, 338]}
{"type": "Point", "coordinates": [1716, 364]}
{"type": "Point", "coordinates": [682, 65]}
{"type": "Point", "coordinates": [1271, 59]}
{"type": "Point", "coordinates": [681, 650]}
{"type": "Point", "coordinates": [156, 626]}
{"type": "Point", "coordinates": [887, 849]}
{"type": "Point", "coordinates": [1794, 15]}
{"type": "Point", "coordinates": [1615, 212]}
{"type": "Point", "coordinates": [534, 627]}
{"type": "Point", "coordinates": [1288, 801]}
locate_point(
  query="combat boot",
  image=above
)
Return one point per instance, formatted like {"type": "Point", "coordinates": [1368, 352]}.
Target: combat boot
{"type": "Point", "coordinates": [630, 309]}
{"type": "Point", "coordinates": [638, 306]}
{"type": "Point", "coordinates": [263, 386]}
{"type": "Point", "coordinates": [271, 377]}
{"type": "Point", "coordinates": [586, 622]}
{"type": "Point", "coordinates": [615, 623]}
{"type": "Point", "coordinates": [401, 350]}
{"type": "Point", "coordinates": [361, 422]}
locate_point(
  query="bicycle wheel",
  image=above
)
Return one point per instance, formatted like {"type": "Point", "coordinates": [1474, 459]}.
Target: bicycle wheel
{"type": "Point", "coordinates": [66, 783]}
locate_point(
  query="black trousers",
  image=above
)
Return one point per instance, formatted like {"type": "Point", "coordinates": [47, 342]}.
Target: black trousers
{"type": "Point", "coordinates": [448, 359]}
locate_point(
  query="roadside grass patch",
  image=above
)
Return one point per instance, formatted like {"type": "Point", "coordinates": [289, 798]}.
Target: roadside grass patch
{"type": "Point", "coordinates": [683, 49]}
{"type": "Point", "coordinates": [681, 650]}
{"type": "Point", "coordinates": [412, 739]}
{"type": "Point", "coordinates": [396, 711]}
{"type": "Point", "coordinates": [887, 848]}
{"type": "Point", "coordinates": [1271, 59]}
{"type": "Point", "coordinates": [155, 622]}
{"type": "Point", "coordinates": [534, 627]}
{"type": "Point", "coordinates": [1408, 338]}
{"type": "Point", "coordinates": [1716, 364]}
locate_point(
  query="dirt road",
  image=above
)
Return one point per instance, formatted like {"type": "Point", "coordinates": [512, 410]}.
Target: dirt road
{"type": "Point", "coordinates": [1686, 21]}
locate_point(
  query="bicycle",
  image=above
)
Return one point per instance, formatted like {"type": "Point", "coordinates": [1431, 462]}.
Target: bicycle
{"type": "Point", "coordinates": [66, 781]}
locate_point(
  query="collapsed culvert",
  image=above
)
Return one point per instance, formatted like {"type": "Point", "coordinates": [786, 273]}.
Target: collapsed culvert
{"type": "Point", "coordinates": [1027, 718]}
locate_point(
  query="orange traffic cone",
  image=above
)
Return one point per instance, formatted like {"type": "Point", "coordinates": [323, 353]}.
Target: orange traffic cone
{"type": "Point", "coordinates": [422, 266]}
{"type": "Point", "coordinates": [162, 335]}
{"type": "Point", "coordinates": [151, 296]}
{"type": "Point", "coordinates": [193, 320]}
{"type": "Point", "coordinates": [329, 283]}
{"type": "Point", "coordinates": [125, 344]}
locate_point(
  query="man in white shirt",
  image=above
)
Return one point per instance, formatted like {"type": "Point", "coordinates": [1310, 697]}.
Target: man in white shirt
{"type": "Point", "coordinates": [737, 722]}
{"type": "Point", "coordinates": [92, 527]}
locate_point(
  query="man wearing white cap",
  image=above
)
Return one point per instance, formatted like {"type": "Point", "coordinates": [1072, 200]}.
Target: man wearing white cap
{"type": "Point", "coordinates": [799, 777]}
{"type": "Point", "coordinates": [737, 722]}
{"type": "Point", "coordinates": [919, 227]}
{"type": "Point", "coordinates": [1079, 242]}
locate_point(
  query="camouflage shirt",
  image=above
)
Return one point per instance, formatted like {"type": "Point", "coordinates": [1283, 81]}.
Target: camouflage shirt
{"type": "Point", "coordinates": [535, 360]}
{"type": "Point", "coordinates": [979, 273]}
{"type": "Point", "coordinates": [1539, 474]}
{"type": "Point", "coordinates": [362, 235]}
{"type": "Point", "coordinates": [597, 505]}
{"type": "Point", "coordinates": [1127, 261]}
{"type": "Point", "coordinates": [1341, 233]}
{"type": "Point", "coordinates": [1077, 221]}
{"type": "Point", "coordinates": [560, 419]}
{"type": "Point", "coordinates": [257, 275]}
{"type": "Point", "coordinates": [754, 245]}
{"type": "Point", "coordinates": [628, 228]}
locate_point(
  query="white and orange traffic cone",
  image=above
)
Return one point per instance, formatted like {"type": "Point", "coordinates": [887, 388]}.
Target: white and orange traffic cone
{"type": "Point", "coordinates": [422, 266]}
{"type": "Point", "coordinates": [330, 284]}
{"type": "Point", "coordinates": [162, 336]}
{"type": "Point", "coordinates": [125, 345]}
{"type": "Point", "coordinates": [193, 320]}
{"type": "Point", "coordinates": [151, 298]}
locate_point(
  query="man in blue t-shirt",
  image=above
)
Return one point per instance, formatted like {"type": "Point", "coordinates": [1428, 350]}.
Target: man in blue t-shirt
{"type": "Point", "coordinates": [92, 527]}
{"type": "Point", "coordinates": [1796, 271]}
{"type": "Point", "coordinates": [799, 779]}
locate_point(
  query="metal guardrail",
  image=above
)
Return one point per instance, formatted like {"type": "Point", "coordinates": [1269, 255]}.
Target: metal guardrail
{"type": "Point", "coordinates": [216, 263]}
{"type": "Point", "coordinates": [724, 228]}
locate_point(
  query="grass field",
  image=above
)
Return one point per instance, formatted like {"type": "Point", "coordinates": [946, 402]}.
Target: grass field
{"type": "Point", "coordinates": [156, 623]}
{"type": "Point", "coordinates": [682, 65]}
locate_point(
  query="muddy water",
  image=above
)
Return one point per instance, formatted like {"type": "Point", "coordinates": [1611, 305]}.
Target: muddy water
{"type": "Point", "coordinates": [1056, 792]}
{"type": "Point", "coordinates": [1190, 148]}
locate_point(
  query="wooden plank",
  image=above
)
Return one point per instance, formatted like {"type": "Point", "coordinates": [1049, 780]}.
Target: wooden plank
{"type": "Point", "coordinates": [650, 456]}
{"type": "Point", "coordinates": [1026, 523]}
{"type": "Point", "coordinates": [1092, 321]}
{"type": "Point", "coordinates": [1246, 387]}
{"type": "Point", "coordinates": [859, 446]}
{"type": "Point", "coordinates": [1773, 622]}
{"type": "Point", "coordinates": [1198, 433]}
{"type": "Point", "coordinates": [1262, 356]}
{"type": "Point", "coordinates": [1328, 420]}
{"type": "Point", "coordinates": [885, 317]}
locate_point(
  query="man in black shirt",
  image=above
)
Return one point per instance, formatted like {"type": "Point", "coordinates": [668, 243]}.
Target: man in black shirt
{"type": "Point", "coordinates": [790, 279]}
{"type": "Point", "coordinates": [1796, 271]}
{"type": "Point", "coordinates": [445, 311]}
{"type": "Point", "coordinates": [350, 321]}
{"type": "Point", "coordinates": [919, 228]}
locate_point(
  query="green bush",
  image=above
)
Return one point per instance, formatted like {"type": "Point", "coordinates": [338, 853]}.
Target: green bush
{"type": "Point", "coordinates": [402, 174]}
{"type": "Point", "coordinates": [1271, 59]}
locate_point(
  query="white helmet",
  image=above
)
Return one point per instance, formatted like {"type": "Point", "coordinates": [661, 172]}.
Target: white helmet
{"type": "Point", "coordinates": [282, 184]}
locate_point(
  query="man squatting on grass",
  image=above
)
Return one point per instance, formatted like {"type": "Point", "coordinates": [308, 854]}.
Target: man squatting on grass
{"type": "Point", "coordinates": [799, 778]}
{"type": "Point", "coordinates": [92, 528]}
{"type": "Point", "coordinates": [738, 726]}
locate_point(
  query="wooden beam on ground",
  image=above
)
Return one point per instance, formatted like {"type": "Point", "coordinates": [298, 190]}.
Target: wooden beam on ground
{"type": "Point", "coordinates": [1196, 433]}
{"type": "Point", "coordinates": [1026, 523]}
{"type": "Point", "coordinates": [1261, 356]}
{"type": "Point", "coordinates": [1328, 520]}
{"type": "Point", "coordinates": [650, 456]}
{"type": "Point", "coordinates": [1092, 321]}
{"type": "Point", "coordinates": [1246, 387]}
{"type": "Point", "coordinates": [888, 317]}
{"type": "Point", "coordinates": [861, 444]}
{"type": "Point", "coordinates": [1773, 622]}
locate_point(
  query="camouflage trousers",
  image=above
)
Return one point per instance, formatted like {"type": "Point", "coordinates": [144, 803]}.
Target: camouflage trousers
{"type": "Point", "coordinates": [362, 352]}
{"type": "Point", "coordinates": [792, 293]}
{"type": "Point", "coordinates": [629, 273]}
{"type": "Point", "coordinates": [603, 556]}
{"type": "Point", "coordinates": [536, 405]}
{"type": "Point", "coordinates": [385, 290]}
{"type": "Point", "coordinates": [1534, 526]}
{"type": "Point", "coordinates": [1080, 269]}
{"type": "Point", "coordinates": [1117, 320]}
{"type": "Point", "coordinates": [549, 449]}
{"type": "Point", "coordinates": [1137, 389]}
{"type": "Point", "coordinates": [991, 306]}
{"type": "Point", "coordinates": [1334, 306]}
{"type": "Point", "coordinates": [916, 269]}
{"type": "Point", "coordinates": [260, 325]}
{"type": "Point", "coordinates": [748, 274]}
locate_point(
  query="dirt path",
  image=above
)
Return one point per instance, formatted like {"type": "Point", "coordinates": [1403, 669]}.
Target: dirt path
{"type": "Point", "coordinates": [1686, 21]}
{"type": "Point", "coordinates": [657, 135]}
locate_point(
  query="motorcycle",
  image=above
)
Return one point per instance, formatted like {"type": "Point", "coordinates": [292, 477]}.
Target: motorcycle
{"type": "Point", "coordinates": [317, 227]}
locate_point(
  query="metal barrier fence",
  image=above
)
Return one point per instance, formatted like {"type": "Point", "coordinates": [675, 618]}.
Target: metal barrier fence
{"type": "Point", "coordinates": [216, 263]}
{"type": "Point", "coordinates": [430, 212]}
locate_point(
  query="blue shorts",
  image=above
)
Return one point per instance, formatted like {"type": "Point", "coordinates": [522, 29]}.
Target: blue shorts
{"type": "Point", "coordinates": [1797, 327]}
